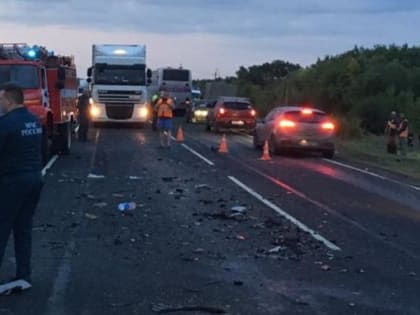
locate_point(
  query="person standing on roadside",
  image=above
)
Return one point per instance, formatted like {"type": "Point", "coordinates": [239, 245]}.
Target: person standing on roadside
{"type": "Point", "coordinates": [155, 98]}
{"type": "Point", "coordinates": [403, 134]}
{"type": "Point", "coordinates": [20, 180]}
{"type": "Point", "coordinates": [83, 106]}
{"type": "Point", "coordinates": [391, 132]}
{"type": "Point", "coordinates": [164, 108]}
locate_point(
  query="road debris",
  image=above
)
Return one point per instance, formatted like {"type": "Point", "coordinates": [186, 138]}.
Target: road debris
{"type": "Point", "coordinates": [135, 178]}
{"type": "Point", "coordinates": [100, 205]}
{"type": "Point", "coordinates": [240, 237]}
{"type": "Point", "coordinates": [239, 209]}
{"type": "Point", "coordinates": [91, 216]}
{"type": "Point", "coordinates": [95, 176]}
{"type": "Point", "coordinates": [169, 179]}
{"type": "Point", "coordinates": [127, 206]}
{"type": "Point", "coordinates": [163, 308]}
{"type": "Point", "coordinates": [325, 267]}
{"type": "Point", "coordinates": [201, 187]}
{"type": "Point", "coordinates": [277, 249]}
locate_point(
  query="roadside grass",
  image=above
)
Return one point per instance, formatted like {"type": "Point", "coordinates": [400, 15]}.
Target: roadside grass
{"type": "Point", "coordinates": [371, 150]}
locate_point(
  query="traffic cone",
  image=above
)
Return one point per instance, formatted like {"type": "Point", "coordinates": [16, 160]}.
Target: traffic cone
{"type": "Point", "coordinates": [180, 135]}
{"type": "Point", "coordinates": [266, 152]}
{"type": "Point", "coordinates": [223, 147]}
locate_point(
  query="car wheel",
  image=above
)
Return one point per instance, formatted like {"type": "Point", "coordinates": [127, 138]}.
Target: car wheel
{"type": "Point", "coordinates": [328, 154]}
{"type": "Point", "coordinates": [257, 145]}
{"type": "Point", "coordinates": [273, 148]}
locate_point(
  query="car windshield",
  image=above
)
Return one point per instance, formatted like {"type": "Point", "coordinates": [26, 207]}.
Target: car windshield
{"type": "Point", "coordinates": [176, 75]}
{"type": "Point", "coordinates": [121, 75]}
{"type": "Point", "coordinates": [237, 105]}
{"type": "Point", "coordinates": [25, 76]}
{"type": "Point", "coordinates": [299, 116]}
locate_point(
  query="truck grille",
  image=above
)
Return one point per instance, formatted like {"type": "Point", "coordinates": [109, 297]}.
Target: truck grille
{"type": "Point", "coordinates": [119, 111]}
{"type": "Point", "coordinates": [105, 96]}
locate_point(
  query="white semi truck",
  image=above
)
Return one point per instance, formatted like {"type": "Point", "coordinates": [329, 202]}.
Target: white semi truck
{"type": "Point", "coordinates": [118, 79]}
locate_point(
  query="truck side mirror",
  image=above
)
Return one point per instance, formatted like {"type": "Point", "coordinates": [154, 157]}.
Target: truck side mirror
{"type": "Point", "coordinates": [89, 72]}
{"type": "Point", "coordinates": [149, 73]}
{"type": "Point", "coordinates": [149, 81]}
{"type": "Point", "coordinates": [89, 80]}
{"type": "Point", "coordinates": [61, 75]}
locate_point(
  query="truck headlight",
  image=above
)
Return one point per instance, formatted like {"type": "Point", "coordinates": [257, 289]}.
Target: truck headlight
{"type": "Point", "coordinates": [144, 112]}
{"type": "Point", "coordinates": [95, 111]}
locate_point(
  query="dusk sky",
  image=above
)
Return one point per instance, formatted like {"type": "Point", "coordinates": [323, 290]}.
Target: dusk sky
{"type": "Point", "coordinates": [205, 35]}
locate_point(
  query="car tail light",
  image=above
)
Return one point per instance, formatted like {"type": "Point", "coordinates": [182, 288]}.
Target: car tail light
{"type": "Point", "coordinates": [222, 111]}
{"type": "Point", "coordinates": [287, 123]}
{"type": "Point", "coordinates": [328, 126]}
{"type": "Point", "coordinates": [307, 111]}
{"type": "Point", "coordinates": [253, 112]}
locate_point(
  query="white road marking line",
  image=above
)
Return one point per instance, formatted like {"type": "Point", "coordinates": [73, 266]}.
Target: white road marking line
{"type": "Point", "coordinates": [49, 165]}
{"type": "Point", "coordinates": [284, 214]}
{"type": "Point", "coordinates": [371, 174]}
{"type": "Point", "coordinates": [198, 154]}
{"type": "Point", "coordinates": [76, 130]}
{"type": "Point", "coordinates": [57, 299]}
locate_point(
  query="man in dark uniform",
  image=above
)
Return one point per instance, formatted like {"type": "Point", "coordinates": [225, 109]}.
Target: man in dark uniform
{"type": "Point", "coordinates": [392, 131]}
{"type": "Point", "coordinates": [20, 179]}
{"type": "Point", "coordinates": [83, 105]}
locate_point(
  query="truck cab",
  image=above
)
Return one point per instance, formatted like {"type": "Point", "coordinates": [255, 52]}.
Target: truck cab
{"type": "Point", "coordinates": [119, 80]}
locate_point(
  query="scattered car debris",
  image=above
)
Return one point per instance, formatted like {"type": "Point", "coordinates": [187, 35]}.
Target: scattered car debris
{"type": "Point", "coordinates": [91, 216]}
{"type": "Point", "coordinates": [239, 209]}
{"type": "Point", "coordinates": [100, 205]}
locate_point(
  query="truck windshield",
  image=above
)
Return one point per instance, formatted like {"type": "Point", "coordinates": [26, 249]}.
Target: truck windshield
{"type": "Point", "coordinates": [25, 76]}
{"type": "Point", "coordinates": [120, 75]}
{"type": "Point", "coordinates": [176, 75]}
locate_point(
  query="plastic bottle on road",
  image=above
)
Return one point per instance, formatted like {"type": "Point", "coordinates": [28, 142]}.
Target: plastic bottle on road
{"type": "Point", "coordinates": [127, 206]}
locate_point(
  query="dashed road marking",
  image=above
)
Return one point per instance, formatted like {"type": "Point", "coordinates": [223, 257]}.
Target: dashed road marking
{"type": "Point", "coordinates": [287, 216]}
{"type": "Point", "coordinates": [197, 154]}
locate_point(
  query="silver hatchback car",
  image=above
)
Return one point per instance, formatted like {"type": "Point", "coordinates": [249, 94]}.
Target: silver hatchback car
{"type": "Point", "coordinates": [296, 128]}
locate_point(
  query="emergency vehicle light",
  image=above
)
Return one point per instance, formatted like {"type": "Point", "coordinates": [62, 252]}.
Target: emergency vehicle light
{"type": "Point", "coordinates": [31, 53]}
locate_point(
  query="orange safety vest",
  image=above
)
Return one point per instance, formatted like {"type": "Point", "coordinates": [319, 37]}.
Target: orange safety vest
{"type": "Point", "coordinates": [404, 133]}
{"type": "Point", "coordinates": [165, 108]}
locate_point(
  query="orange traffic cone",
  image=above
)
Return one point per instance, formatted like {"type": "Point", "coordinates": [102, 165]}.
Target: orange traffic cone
{"type": "Point", "coordinates": [180, 135]}
{"type": "Point", "coordinates": [223, 147]}
{"type": "Point", "coordinates": [266, 153]}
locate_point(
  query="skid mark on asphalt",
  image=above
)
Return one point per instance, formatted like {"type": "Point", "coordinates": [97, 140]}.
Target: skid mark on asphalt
{"type": "Point", "coordinates": [287, 216]}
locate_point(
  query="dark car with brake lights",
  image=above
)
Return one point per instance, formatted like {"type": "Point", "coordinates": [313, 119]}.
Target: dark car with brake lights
{"type": "Point", "coordinates": [296, 128]}
{"type": "Point", "coordinates": [231, 113]}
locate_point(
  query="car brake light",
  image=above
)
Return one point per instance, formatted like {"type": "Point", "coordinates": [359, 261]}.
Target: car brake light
{"type": "Point", "coordinates": [328, 126]}
{"type": "Point", "coordinates": [307, 111]}
{"type": "Point", "coordinates": [287, 123]}
{"type": "Point", "coordinates": [221, 111]}
{"type": "Point", "coordinates": [253, 112]}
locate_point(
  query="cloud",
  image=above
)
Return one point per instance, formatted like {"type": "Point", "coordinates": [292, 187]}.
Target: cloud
{"type": "Point", "coordinates": [209, 34]}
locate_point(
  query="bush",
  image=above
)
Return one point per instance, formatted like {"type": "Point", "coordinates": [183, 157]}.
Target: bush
{"type": "Point", "coordinates": [349, 128]}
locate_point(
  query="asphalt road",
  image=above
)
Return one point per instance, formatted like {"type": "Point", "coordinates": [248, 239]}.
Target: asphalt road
{"type": "Point", "coordinates": [310, 236]}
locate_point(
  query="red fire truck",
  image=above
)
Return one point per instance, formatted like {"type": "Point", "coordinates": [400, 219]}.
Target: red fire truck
{"type": "Point", "coordinates": [50, 87]}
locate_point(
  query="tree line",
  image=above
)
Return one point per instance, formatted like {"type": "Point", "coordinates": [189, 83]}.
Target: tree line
{"type": "Point", "coordinates": [359, 87]}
